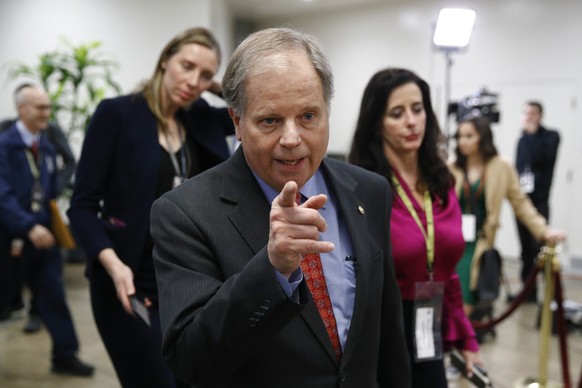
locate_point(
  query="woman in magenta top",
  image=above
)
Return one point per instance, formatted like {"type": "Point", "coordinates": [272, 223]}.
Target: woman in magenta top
{"type": "Point", "coordinates": [398, 136]}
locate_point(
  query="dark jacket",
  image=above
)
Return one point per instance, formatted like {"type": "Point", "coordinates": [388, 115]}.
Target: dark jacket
{"type": "Point", "coordinates": [59, 140]}
{"type": "Point", "coordinates": [116, 177]}
{"type": "Point", "coordinates": [17, 181]}
{"type": "Point", "coordinates": [538, 152]}
{"type": "Point", "coordinates": [225, 319]}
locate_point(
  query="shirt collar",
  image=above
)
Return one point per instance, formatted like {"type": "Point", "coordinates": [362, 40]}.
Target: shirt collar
{"type": "Point", "coordinates": [27, 137]}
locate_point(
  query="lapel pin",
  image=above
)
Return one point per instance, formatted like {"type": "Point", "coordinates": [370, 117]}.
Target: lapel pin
{"type": "Point", "coordinates": [361, 209]}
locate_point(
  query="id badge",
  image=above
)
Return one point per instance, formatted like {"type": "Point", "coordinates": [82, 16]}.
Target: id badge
{"type": "Point", "coordinates": [177, 181]}
{"type": "Point", "coordinates": [36, 198]}
{"type": "Point", "coordinates": [427, 321]}
{"type": "Point", "coordinates": [527, 181]}
{"type": "Point", "coordinates": [469, 227]}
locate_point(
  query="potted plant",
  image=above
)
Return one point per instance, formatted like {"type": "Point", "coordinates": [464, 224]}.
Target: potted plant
{"type": "Point", "coordinates": [76, 77]}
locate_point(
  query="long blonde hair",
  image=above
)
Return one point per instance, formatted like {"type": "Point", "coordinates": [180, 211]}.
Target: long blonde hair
{"type": "Point", "coordinates": [152, 88]}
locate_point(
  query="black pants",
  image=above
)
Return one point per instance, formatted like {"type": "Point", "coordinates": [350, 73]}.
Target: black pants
{"type": "Point", "coordinates": [530, 247]}
{"type": "Point", "coordinates": [134, 348]}
{"type": "Point", "coordinates": [42, 270]}
{"type": "Point", "coordinates": [11, 275]}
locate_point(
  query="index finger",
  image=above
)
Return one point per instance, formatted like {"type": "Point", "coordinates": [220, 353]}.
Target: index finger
{"type": "Point", "coordinates": [286, 197]}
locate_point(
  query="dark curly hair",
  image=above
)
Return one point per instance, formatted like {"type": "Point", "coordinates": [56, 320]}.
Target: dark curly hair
{"type": "Point", "coordinates": [486, 146]}
{"type": "Point", "coordinates": [367, 150]}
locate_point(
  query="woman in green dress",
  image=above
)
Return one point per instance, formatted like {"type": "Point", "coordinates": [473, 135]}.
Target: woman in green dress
{"type": "Point", "coordinates": [472, 201]}
{"type": "Point", "coordinates": [482, 181]}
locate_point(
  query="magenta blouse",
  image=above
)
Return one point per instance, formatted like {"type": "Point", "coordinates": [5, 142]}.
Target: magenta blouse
{"type": "Point", "coordinates": [409, 251]}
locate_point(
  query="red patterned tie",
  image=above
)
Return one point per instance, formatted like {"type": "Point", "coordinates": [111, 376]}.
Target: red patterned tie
{"type": "Point", "coordinates": [313, 273]}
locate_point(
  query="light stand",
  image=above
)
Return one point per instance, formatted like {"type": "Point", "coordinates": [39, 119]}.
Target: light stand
{"type": "Point", "coordinates": [448, 68]}
{"type": "Point", "coordinates": [452, 33]}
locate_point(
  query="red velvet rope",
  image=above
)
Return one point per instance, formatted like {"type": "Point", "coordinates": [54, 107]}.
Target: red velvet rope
{"type": "Point", "coordinates": [560, 320]}
{"type": "Point", "coordinates": [528, 286]}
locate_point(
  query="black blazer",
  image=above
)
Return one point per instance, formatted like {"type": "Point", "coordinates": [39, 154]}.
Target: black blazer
{"type": "Point", "coordinates": [116, 177]}
{"type": "Point", "coordinates": [225, 319]}
{"type": "Point", "coordinates": [59, 140]}
{"type": "Point", "coordinates": [17, 181]}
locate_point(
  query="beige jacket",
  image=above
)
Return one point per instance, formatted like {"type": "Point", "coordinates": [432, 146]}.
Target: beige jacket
{"type": "Point", "coordinates": [501, 182]}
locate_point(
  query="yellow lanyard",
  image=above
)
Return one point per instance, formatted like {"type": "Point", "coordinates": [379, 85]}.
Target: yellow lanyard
{"type": "Point", "coordinates": [429, 232]}
{"type": "Point", "coordinates": [32, 163]}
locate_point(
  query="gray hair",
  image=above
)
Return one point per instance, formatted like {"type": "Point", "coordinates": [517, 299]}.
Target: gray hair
{"type": "Point", "coordinates": [20, 92]}
{"type": "Point", "coordinates": [250, 54]}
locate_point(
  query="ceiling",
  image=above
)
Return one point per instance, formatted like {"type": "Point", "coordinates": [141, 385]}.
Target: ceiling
{"type": "Point", "coordinates": [256, 9]}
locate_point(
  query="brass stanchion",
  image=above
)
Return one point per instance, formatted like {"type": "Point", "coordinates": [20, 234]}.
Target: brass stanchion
{"type": "Point", "coordinates": [548, 259]}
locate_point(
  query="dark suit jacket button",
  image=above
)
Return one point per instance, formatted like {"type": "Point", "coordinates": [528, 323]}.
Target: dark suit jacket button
{"type": "Point", "coordinates": [342, 377]}
{"type": "Point", "coordinates": [257, 316]}
{"type": "Point", "coordinates": [253, 322]}
{"type": "Point", "coordinates": [266, 304]}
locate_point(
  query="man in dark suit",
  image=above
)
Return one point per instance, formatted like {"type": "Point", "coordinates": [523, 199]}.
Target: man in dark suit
{"type": "Point", "coordinates": [537, 151]}
{"type": "Point", "coordinates": [27, 184]}
{"type": "Point", "coordinates": [256, 290]}
{"type": "Point", "coordinates": [65, 170]}
{"type": "Point", "coordinates": [58, 139]}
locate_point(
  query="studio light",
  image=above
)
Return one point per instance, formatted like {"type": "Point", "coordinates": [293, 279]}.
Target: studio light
{"type": "Point", "coordinates": [453, 29]}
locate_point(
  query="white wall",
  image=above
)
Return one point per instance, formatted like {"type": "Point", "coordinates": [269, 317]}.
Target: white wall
{"type": "Point", "coordinates": [133, 31]}
{"type": "Point", "coordinates": [520, 48]}
{"type": "Point", "coordinates": [220, 22]}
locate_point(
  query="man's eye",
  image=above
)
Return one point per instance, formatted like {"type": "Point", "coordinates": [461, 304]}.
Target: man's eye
{"type": "Point", "coordinates": [269, 121]}
{"type": "Point", "coordinates": [309, 116]}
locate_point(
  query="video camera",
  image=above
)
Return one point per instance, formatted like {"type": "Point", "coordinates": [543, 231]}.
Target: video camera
{"type": "Point", "coordinates": [481, 103]}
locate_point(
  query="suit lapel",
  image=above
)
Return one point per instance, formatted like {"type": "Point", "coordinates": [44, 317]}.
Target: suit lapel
{"type": "Point", "coordinates": [142, 135]}
{"type": "Point", "coordinates": [250, 216]}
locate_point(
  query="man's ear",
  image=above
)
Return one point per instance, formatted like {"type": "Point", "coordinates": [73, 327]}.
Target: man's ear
{"type": "Point", "coordinates": [236, 121]}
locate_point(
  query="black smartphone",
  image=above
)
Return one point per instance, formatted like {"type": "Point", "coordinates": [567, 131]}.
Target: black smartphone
{"type": "Point", "coordinates": [479, 378]}
{"type": "Point", "coordinates": [140, 310]}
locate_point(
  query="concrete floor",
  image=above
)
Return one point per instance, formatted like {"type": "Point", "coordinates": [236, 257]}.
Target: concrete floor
{"type": "Point", "coordinates": [511, 356]}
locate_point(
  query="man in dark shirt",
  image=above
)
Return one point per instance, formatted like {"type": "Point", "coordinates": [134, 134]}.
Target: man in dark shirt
{"type": "Point", "coordinates": [536, 156]}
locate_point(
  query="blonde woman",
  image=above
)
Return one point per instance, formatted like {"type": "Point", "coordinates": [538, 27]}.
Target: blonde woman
{"type": "Point", "coordinates": [137, 147]}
